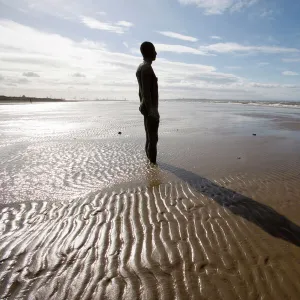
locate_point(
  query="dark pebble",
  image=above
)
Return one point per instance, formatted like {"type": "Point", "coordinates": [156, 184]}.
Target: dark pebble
{"type": "Point", "coordinates": [119, 132]}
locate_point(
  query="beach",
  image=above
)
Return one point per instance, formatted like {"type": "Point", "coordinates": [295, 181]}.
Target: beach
{"type": "Point", "coordinates": [85, 216]}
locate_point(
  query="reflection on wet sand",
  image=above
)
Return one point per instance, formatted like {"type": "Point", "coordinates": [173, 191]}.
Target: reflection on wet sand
{"type": "Point", "coordinates": [83, 216]}
{"type": "Point", "coordinates": [154, 176]}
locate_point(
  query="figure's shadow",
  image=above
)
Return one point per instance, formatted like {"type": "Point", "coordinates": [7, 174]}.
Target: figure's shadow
{"type": "Point", "coordinates": [260, 214]}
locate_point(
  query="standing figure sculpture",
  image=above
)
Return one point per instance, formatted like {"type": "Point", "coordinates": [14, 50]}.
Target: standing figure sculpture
{"type": "Point", "coordinates": [148, 93]}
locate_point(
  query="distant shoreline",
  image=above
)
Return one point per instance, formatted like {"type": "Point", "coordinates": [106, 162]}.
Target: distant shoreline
{"type": "Point", "coordinates": [24, 99]}
{"type": "Point", "coordinates": [270, 103]}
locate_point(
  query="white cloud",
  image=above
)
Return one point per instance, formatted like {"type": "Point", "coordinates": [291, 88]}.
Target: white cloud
{"type": "Point", "coordinates": [78, 75]}
{"type": "Point", "coordinates": [263, 64]}
{"type": "Point", "coordinates": [180, 67]}
{"type": "Point", "coordinates": [289, 73]}
{"type": "Point", "coordinates": [267, 13]}
{"type": "Point", "coordinates": [92, 45]}
{"type": "Point", "coordinates": [110, 74]}
{"type": "Point", "coordinates": [235, 47]}
{"type": "Point", "coordinates": [233, 67]}
{"type": "Point", "coordinates": [215, 7]}
{"type": "Point", "coordinates": [178, 49]}
{"type": "Point", "coordinates": [22, 81]}
{"type": "Point", "coordinates": [101, 13]}
{"type": "Point", "coordinates": [291, 60]}
{"type": "Point", "coordinates": [264, 85]}
{"type": "Point", "coordinates": [31, 48]}
{"type": "Point", "coordinates": [124, 24]}
{"type": "Point", "coordinates": [215, 37]}
{"type": "Point", "coordinates": [274, 85]}
{"type": "Point", "coordinates": [178, 36]}
{"type": "Point", "coordinates": [16, 36]}
{"type": "Point", "coordinates": [31, 74]}
{"type": "Point", "coordinates": [120, 27]}
{"type": "Point", "coordinates": [66, 9]}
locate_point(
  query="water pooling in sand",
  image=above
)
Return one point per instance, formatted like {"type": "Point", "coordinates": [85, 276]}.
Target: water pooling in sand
{"type": "Point", "coordinates": [84, 217]}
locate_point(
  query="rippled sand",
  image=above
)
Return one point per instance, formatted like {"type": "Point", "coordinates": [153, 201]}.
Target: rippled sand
{"type": "Point", "coordinates": [84, 216]}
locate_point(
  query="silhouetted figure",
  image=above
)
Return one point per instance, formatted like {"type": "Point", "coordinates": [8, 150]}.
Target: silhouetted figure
{"type": "Point", "coordinates": [148, 93]}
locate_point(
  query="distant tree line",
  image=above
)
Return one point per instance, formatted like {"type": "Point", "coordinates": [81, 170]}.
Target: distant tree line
{"type": "Point", "coordinates": [27, 99]}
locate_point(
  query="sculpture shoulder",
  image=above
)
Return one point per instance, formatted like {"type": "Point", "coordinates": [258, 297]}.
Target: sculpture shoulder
{"type": "Point", "coordinates": [145, 68]}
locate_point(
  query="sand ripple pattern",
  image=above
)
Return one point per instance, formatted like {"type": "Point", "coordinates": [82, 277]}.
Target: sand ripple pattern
{"type": "Point", "coordinates": [167, 241]}
{"type": "Point", "coordinates": [68, 170]}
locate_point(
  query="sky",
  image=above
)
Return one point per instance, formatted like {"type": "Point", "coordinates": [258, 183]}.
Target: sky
{"type": "Point", "coordinates": [213, 49]}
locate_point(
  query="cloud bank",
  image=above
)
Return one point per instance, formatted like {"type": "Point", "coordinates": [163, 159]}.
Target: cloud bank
{"type": "Point", "coordinates": [89, 69]}
{"type": "Point", "coordinates": [217, 7]}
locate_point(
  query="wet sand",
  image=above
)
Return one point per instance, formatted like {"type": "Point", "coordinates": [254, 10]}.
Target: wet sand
{"type": "Point", "coordinates": [84, 216]}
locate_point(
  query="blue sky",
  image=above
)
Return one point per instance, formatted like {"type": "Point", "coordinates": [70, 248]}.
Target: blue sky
{"type": "Point", "coordinates": [218, 49]}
